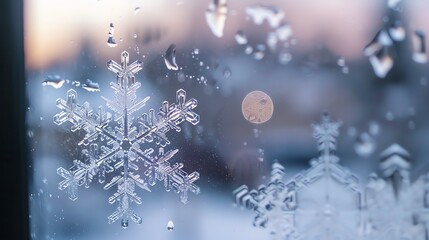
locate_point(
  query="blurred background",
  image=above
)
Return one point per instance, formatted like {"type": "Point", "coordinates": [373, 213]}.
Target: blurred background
{"type": "Point", "coordinates": [309, 56]}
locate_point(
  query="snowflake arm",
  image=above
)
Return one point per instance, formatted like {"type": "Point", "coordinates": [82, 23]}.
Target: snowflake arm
{"type": "Point", "coordinates": [308, 206]}
{"type": "Point", "coordinates": [70, 183]}
{"type": "Point", "coordinates": [81, 117]}
{"type": "Point", "coordinates": [169, 117]}
{"type": "Point", "coordinates": [326, 133]}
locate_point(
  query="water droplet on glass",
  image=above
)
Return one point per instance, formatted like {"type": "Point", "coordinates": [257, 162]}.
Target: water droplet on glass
{"type": "Point", "coordinates": [248, 50]}
{"type": "Point", "coordinates": [341, 62]}
{"type": "Point", "coordinates": [259, 13]}
{"type": "Point", "coordinates": [30, 133]}
{"type": "Point", "coordinates": [389, 116]}
{"type": "Point", "coordinates": [284, 57]}
{"type": "Point", "coordinates": [272, 41]}
{"type": "Point", "coordinates": [135, 35]}
{"type": "Point", "coordinates": [380, 54]}
{"type": "Point", "coordinates": [397, 31]}
{"type": "Point", "coordinates": [256, 132]}
{"type": "Point", "coordinates": [261, 154]}
{"type": "Point", "coordinates": [124, 223]}
{"type": "Point", "coordinates": [170, 225]}
{"type": "Point", "coordinates": [91, 86]}
{"type": "Point", "coordinates": [364, 145]}
{"type": "Point", "coordinates": [380, 40]}
{"type": "Point", "coordinates": [381, 62]}
{"type": "Point", "coordinates": [374, 128]}
{"type": "Point", "coordinates": [54, 81]}
{"type": "Point", "coordinates": [284, 32]}
{"type": "Point", "coordinates": [384, 38]}
{"type": "Point", "coordinates": [259, 52]}
{"type": "Point", "coordinates": [111, 29]}
{"type": "Point", "coordinates": [240, 38]}
{"type": "Point", "coordinates": [181, 76]}
{"type": "Point", "coordinates": [226, 72]}
{"type": "Point", "coordinates": [419, 46]}
{"type": "Point", "coordinates": [196, 51]}
{"type": "Point", "coordinates": [170, 58]}
{"type": "Point", "coordinates": [111, 42]}
{"type": "Point", "coordinates": [216, 14]}
{"type": "Point", "coordinates": [136, 10]}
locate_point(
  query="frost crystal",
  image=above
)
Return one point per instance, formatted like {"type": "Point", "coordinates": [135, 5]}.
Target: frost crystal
{"type": "Point", "coordinates": [327, 202]}
{"type": "Point", "coordinates": [115, 144]}
{"type": "Point", "coordinates": [397, 208]}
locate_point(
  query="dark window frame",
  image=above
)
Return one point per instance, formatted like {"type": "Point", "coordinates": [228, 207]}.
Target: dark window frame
{"type": "Point", "coordinates": [14, 147]}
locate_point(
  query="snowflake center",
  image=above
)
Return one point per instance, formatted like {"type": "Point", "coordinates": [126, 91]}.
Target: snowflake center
{"type": "Point", "coordinates": [126, 145]}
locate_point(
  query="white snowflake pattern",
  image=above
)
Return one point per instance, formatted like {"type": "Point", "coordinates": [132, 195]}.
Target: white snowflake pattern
{"type": "Point", "coordinates": [327, 202]}
{"type": "Point", "coordinates": [396, 208]}
{"type": "Point", "coordinates": [116, 144]}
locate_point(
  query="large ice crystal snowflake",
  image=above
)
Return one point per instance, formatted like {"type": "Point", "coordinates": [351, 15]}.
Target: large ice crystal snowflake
{"type": "Point", "coordinates": [327, 202]}
{"type": "Point", "coordinates": [116, 144]}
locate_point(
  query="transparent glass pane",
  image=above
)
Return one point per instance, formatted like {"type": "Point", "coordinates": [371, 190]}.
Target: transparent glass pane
{"type": "Point", "coordinates": [227, 119]}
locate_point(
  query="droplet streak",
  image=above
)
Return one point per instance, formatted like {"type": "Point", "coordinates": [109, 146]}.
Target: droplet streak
{"type": "Point", "coordinates": [170, 58]}
{"type": "Point", "coordinates": [170, 226]}
{"type": "Point", "coordinates": [216, 15]}
{"type": "Point", "coordinates": [111, 42]}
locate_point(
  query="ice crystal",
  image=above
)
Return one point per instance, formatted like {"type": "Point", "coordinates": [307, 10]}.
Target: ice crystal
{"type": "Point", "coordinates": [397, 208]}
{"type": "Point", "coordinates": [381, 51]}
{"type": "Point", "coordinates": [216, 15]}
{"type": "Point", "coordinates": [419, 45]}
{"type": "Point", "coordinates": [327, 202]}
{"type": "Point", "coordinates": [116, 145]}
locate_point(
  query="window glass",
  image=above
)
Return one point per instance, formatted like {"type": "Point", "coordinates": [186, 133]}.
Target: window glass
{"type": "Point", "coordinates": [156, 119]}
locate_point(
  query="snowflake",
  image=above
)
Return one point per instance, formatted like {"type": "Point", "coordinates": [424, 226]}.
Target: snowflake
{"type": "Point", "coordinates": [327, 202]}
{"type": "Point", "coordinates": [396, 208]}
{"type": "Point", "coordinates": [115, 144]}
